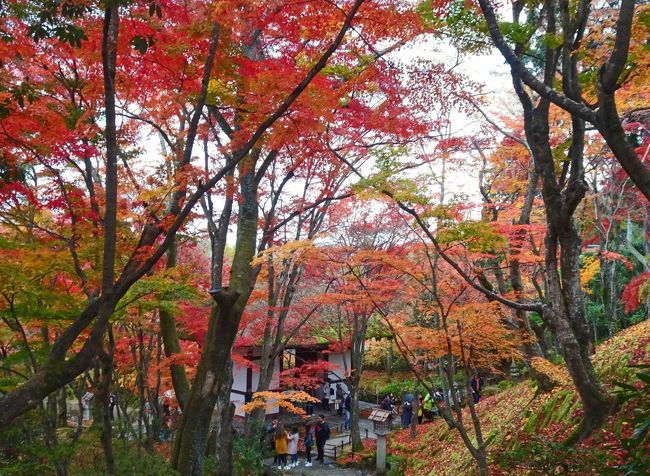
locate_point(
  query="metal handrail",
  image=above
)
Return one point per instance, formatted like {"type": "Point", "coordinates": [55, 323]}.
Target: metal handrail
{"type": "Point", "coordinates": [342, 445]}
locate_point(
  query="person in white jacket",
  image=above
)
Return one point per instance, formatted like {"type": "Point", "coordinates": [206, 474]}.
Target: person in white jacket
{"type": "Point", "coordinates": [293, 447]}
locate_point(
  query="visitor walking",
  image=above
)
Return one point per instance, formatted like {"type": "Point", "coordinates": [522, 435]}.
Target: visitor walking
{"type": "Point", "coordinates": [440, 400]}
{"type": "Point", "coordinates": [427, 406]}
{"type": "Point", "coordinates": [339, 399]}
{"type": "Point", "coordinates": [477, 387]}
{"type": "Point", "coordinates": [309, 442]}
{"type": "Point", "coordinates": [270, 430]}
{"type": "Point", "coordinates": [326, 396]}
{"type": "Point", "coordinates": [455, 392]}
{"type": "Point", "coordinates": [112, 401]}
{"type": "Point", "coordinates": [332, 398]}
{"type": "Point", "coordinates": [281, 440]}
{"type": "Point", "coordinates": [407, 414]}
{"type": "Point", "coordinates": [322, 433]}
{"type": "Point", "coordinates": [293, 447]}
{"type": "Point", "coordinates": [347, 412]}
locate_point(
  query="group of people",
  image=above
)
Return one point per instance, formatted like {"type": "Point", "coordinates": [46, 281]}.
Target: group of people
{"type": "Point", "coordinates": [337, 398]}
{"type": "Point", "coordinates": [431, 404]}
{"type": "Point", "coordinates": [285, 443]}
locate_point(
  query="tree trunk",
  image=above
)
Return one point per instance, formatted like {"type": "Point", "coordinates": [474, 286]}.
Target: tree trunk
{"type": "Point", "coordinates": [213, 377]}
{"type": "Point", "coordinates": [104, 390]}
{"type": "Point", "coordinates": [172, 344]}
{"type": "Point", "coordinates": [224, 430]}
{"type": "Point", "coordinates": [360, 324]}
{"type": "Point", "coordinates": [63, 407]}
{"type": "Point", "coordinates": [355, 431]}
{"type": "Point", "coordinates": [564, 314]}
{"type": "Point", "coordinates": [213, 380]}
{"type": "Point", "coordinates": [564, 310]}
{"type": "Point", "coordinates": [49, 419]}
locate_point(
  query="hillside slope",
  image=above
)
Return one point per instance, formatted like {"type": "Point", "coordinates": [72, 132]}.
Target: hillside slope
{"type": "Point", "coordinates": [525, 431]}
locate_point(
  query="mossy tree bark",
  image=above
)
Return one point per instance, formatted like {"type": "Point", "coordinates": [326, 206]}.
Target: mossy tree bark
{"type": "Point", "coordinates": [213, 379]}
{"type": "Point", "coordinates": [171, 342]}
{"type": "Point", "coordinates": [563, 189]}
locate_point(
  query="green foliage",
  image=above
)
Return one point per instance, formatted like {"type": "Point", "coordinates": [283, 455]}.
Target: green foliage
{"type": "Point", "coordinates": [553, 41]}
{"type": "Point", "coordinates": [396, 465]}
{"type": "Point", "coordinates": [542, 455]}
{"type": "Point", "coordinates": [19, 94]}
{"type": "Point", "coordinates": [399, 388]}
{"type": "Point", "coordinates": [477, 236]}
{"type": "Point", "coordinates": [346, 72]}
{"type": "Point", "coordinates": [465, 29]}
{"type": "Point", "coordinates": [598, 294]}
{"type": "Point", "coordinates": [377, 328]}
{"type": "Point", "coordinates": [163, 290]}
{"type": "Point", "coordinates": [21, 447]}
{"type": "Point", "coordinates": [130, 462]}
{"type": "Point", "coordinates": [560, 153]}
{"type": "Point", "coordinates": [517, 32]}
{"type": "Point", "coordinates": [56, 19]}
{"type": "Point", "coordinates": [388, 159]}
{"type": "Point", "coordinates": [141, 43]}
{"type": "Point", "coordinates": [638, 459]}
{"type": "Point", "coordinates": [402, 189]}
{"type": "Point", "coordinates": [505, 385]}
{"type": "Point", "coordinates": [247, 457]}
{"type": "Point", "coordinates": [389, 179]}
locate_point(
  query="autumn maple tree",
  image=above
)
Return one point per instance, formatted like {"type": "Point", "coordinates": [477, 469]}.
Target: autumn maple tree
{"type": "Point", "coordinates": [288, 158]}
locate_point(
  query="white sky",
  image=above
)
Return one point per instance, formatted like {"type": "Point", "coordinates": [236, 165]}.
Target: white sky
{"type": "Point", "coordinates": [489, 70]}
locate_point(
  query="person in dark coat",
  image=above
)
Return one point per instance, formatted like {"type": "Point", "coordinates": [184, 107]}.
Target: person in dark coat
{"type": "Point", "coordinates": [322, 433]}
{"type": "Point", "coordinates": [477, 387]}
{"type": "Point", "coordinates": [407, 414]}
{"type": "Point", "coordinates": [309, 442]}
{"type": "Point", "coordinates": [347, 411]}
{"type": "Point", "coordinates": [112, 401]}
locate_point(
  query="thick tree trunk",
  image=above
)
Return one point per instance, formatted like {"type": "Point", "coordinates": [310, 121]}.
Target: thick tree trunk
{"type": "Point", "coordinates": [104, 390]}
{"type": "Point", "coordinates": [63, 407]}
{"type": "Point", "coordinates": [416, 409]}
{"type": "Point", "coordinates": [213, 377]}
{"type": "Point", "coordinates": [213, 380]}
{"type": "Point", "coordinates": [564, 310]}
{"type": "Point", "coordinates": [49, 419]}
{"type": "Point", "coordinates": [171, 342]}
{"type": "Point", "coordinates": [356, 368]}
{"type": "Point", "coordinates": [225, 410]}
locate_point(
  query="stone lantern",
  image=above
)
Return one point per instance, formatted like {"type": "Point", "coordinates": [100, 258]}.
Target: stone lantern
{"type": "Point", "coordinates": [381, 420]}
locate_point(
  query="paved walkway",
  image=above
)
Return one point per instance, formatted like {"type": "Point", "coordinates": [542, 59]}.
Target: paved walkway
{"type": "Point", "coordinates": [327, 469]}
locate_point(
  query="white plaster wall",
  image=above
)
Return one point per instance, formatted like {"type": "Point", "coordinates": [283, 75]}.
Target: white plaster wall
{"type": "Point", "coordinates": [337, 362]}
{"type": "Point", "coordinates": [239, 383]}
